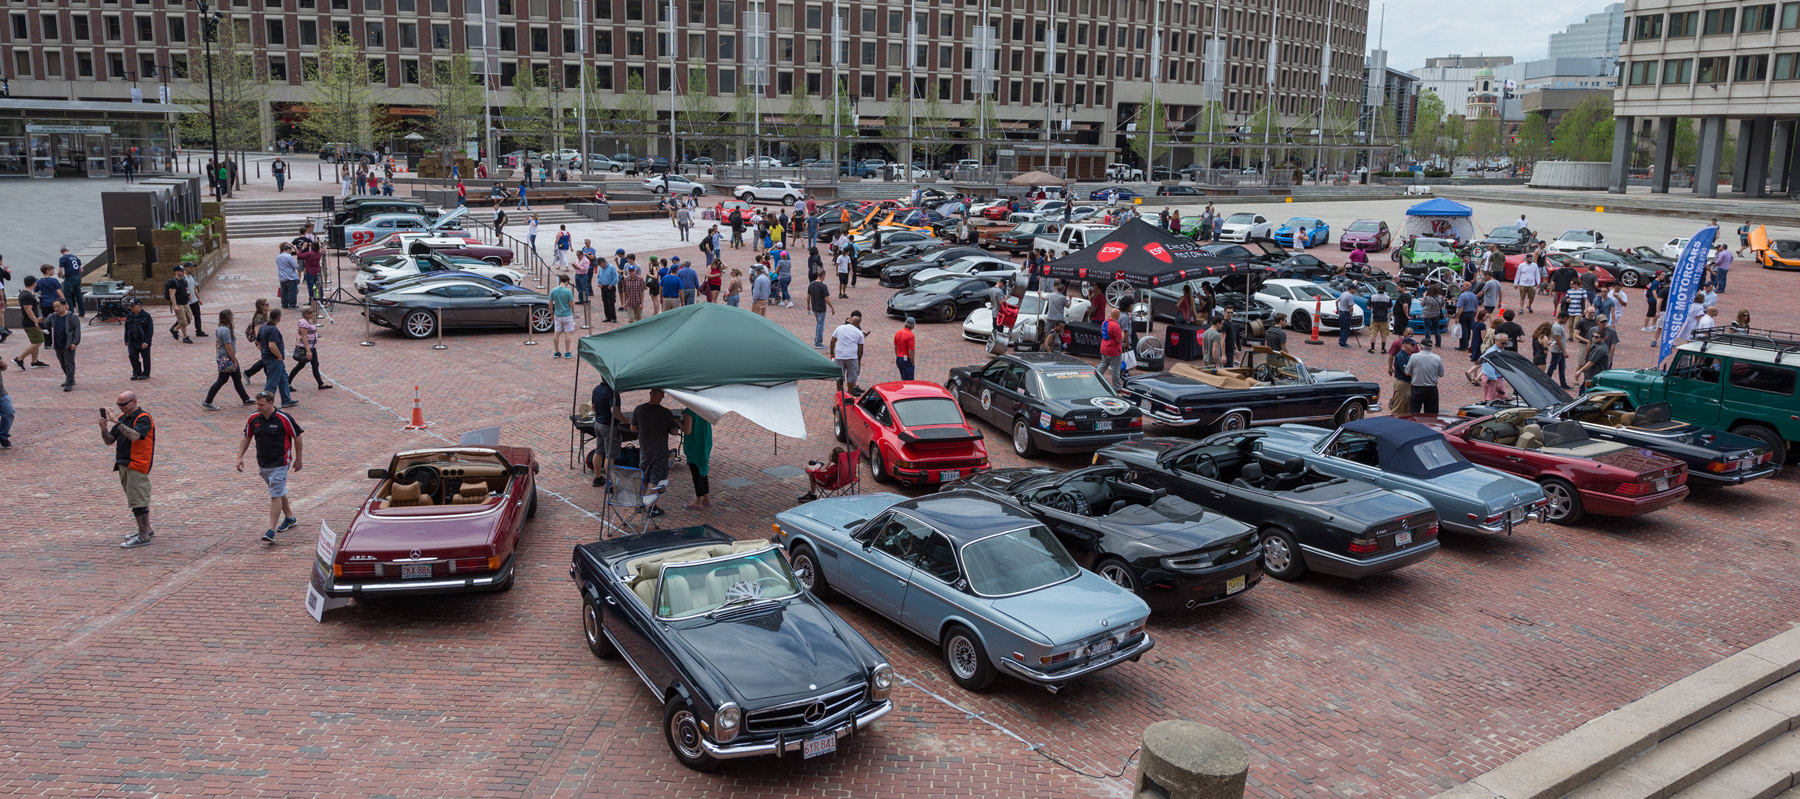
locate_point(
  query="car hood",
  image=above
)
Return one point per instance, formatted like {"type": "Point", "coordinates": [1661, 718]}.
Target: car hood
{"type": "Point", "coordinates": [1527, 380]}
{"type": "Point", "coordinates": [1360, 235]}
{"type": "Point", "coordinates": [914, 300]}
{"type": "Point", "coordinates": [1074, 609]}
{"type": "Point", "coordinates": [774, 653]}
{"type": "Point", "coordinates": [1173, 522]}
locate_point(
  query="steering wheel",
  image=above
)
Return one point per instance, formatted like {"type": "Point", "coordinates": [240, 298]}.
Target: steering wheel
{"type": "Point", "coordinates": [425, 475]}
{"type": "Point", "coordinates": [1266, 374]}
{"type": "Point", "coordinates": [1068, 502]}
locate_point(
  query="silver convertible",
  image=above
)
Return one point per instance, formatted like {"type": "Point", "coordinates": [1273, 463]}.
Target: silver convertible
{"type": "Point", "coordinates": [976, 574]}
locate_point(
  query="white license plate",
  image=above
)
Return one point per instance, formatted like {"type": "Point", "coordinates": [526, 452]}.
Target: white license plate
{"type": "Point", "coordinates": [1100, 648]}
{"type": "Point", "coordinates": [1235, 584]}
{"type": "Point", "coordinates": [821, 745]}
{"type": "Point", "coordinates": [1662, 485]}
{"type": "Point", "coordinates": [1103, 425]}
{"type": "Point", "coordinates": [1403, 538]}
{"type": "Point", "coordinates": [949, 475]}
{"type": "Point", "coordinates": [414, 571]}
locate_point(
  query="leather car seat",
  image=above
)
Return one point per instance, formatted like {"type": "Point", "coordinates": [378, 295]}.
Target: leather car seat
{"type": "Point", "coordinates": [1532, 437]}
{"type": "Point", "coordinates": [472, 493]}
{"type": "Point", "coordinates": [1251, 476]}
{"type": "Point", "coordinates": [678, 595]}
{"type": "Point", "coordinates": [1293, 473]}
{"type": "Point", "coordinates": [406, 495]}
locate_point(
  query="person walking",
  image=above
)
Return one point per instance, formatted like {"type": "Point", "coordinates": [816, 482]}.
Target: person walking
{"type": "Point", "coordinates": [1423, 370]}
{"type": "Point", "coordinates": [1400, 391]}
{"type": "Point", "coordinates": [847, 349]}
{"type": "Point", "coordinates": [278, 451]}
{"type": "Point", "coordinates": [1558, 344]}
{"type": "Point", "coordinates": [69, 267]}
{"type": "Point", "coordinates": [1467, 304]}
{"type": "Point", "coordinates": [684, 219]}
{"type": "Point", "coordinates": [175, 290]}
{"type": "Point", "coordinates": [564, 243]}
{"type": "Point", "coordinates": [562, 320]}
{"type": "Point", "coordinates": [631, 290]}
{"type": "Point", "coordinates": [784, 278]}
{"type": "Point", "coordinates": [531, 229]}
{"type": "Point", "coordinates": [1212, 344]}
{"type": "Point", "coordinates": [524, 186]}
{"type": "Point", "coordinates": [268, 349]}
{"type": "Point", "coordinates": [6, 409]}
{"type": "Point", "coordinates": [1112, 348]}
{"type": "Point", "coordinates": [1722, 270]}
{"type": "Point", "coordinates": [1743, 232]}
{"type": "Point", "coordinates": [259, 316]}
{"type": "Point", "coordinates": [1346, 312]}
{"type": "Point", "coordinates": [606, 273]}
{"type": "Point", "coordinates": [734, 288]}
{"type": "Point", "coordinates": [132, 434]}
{"type": "Point", "coordinates": [65, 335]}
{"type": "Point", "coordinates": [287, 273]}
{"type": "Point", "coordinates": [226, 360]}
{"type": "Point", "coordinates": [1526, 278]}
{"type": "Point", "coordinates": [139, 330]}
{"type": "Point", "coordinates": [312, 267]}
{"type": "Point", "coordinates": [905, 349]}
{"type": "Point", "coordinates": [306, 347]}
{"type": "Point", "coordinates": [760, 286]}
{"type": "Point", "coordinates": [696, 444]}
{"type": "Point", "coordinates": [193, 292]}
{"type": "Point", "coordinates": [584, 276]}
{"type": "Point", "coordinates": [49, 290]}
{"type": "Point", "coordinates": [670, 283]}
{"type": "Point", "coordinates": [33, 321]}
{"type": "Point", "coordinates": [843, 273]}
{"type": "Point", "coordinates": [279, 169]}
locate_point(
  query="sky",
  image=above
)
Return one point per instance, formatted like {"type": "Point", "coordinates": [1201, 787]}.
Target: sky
{"type": "Point", "coordinates": [1421, 29]}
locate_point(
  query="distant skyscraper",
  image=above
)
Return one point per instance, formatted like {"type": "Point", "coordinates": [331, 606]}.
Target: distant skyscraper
{"type": "Point", "coordinates": [1596, 37]}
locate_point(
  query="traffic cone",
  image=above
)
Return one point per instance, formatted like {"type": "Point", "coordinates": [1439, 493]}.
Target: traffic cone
{"type": "Point", "coordinates": [1315, 320]}
{"type": "Point", "coordinates": [418, 420]}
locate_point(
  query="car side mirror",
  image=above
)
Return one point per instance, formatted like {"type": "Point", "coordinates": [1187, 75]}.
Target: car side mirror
{"type": "Point", "coordinates": [521, 469]}
{"type": "Point", "coordinates": [378, 474]}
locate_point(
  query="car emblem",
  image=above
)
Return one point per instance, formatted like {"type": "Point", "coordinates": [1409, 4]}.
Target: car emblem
{"type": "Point", "coordinates": [1106, 622]}
{"type": "Point", "coordinates": [414, 555]}
{"type": "Point", "coordinates": [814, 712]}
{"type": "Point", "coordinates": [1110, 251]}
{"type": "Point", "coordinates": [987, 399]}
{"type": "Point", "coordinates": [1110, 404]}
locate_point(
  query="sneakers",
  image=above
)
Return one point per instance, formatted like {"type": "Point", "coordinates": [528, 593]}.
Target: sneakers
{"type": "Point", "coordinates": [287, 524]}
{"type": "Point", "coordinates": [136, 540]}
{"type": "Point", "coordinates": [268, 536]}
{"type": "Point", "coordinates": [174, 335]}
{"type": "Point", "coordinates": [186, 340]}
{"type": "Point", "coordinates": [209, 406]}
{"type": "Point", "coordinates": [38, 364]}
{"type": "Point", "coordinates": [326, 386]}
{"type": "Point", "coordinates": [288, 404]}
{"type": "Point", "coordinates": [249, 402]}
{"type": "Point", "coordinates": [200, 333]}
{"type": "Point", "coordinates": [20, 362]}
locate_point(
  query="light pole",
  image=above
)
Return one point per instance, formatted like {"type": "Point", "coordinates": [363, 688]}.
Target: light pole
{"type": "Point", "coordinates": [209, 30]}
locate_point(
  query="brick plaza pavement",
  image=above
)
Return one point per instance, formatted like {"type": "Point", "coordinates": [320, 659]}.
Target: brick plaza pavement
{"type": "Point", "coordinates": [190, 667]}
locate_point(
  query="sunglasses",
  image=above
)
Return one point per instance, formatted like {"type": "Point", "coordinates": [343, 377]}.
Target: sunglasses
{"type": "Point", "coordinates": [125, 403]}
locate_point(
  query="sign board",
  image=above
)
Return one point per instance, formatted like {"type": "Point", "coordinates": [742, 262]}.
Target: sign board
{"type": "Point", "coordinates": [317, 602]}
{"type": "Point", "coordinates": [1416, 168]}
{"type": "Point", "coordinates": [485, 437]}
{"type": "Point", "coordinates": [68, 128]}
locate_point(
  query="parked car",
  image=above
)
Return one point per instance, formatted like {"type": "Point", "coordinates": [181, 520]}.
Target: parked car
{"type": "Point", "coordinates": [1249, 316]}
{"type": "Point", "coordinates": [1577, 239]}
{"type": "Point", "coordinates": [1373, 235]}
{"type": "Point", "coordinates": [1268, 387]}
{"type": "Point", "coordinates": [1317, 232]}
{"type": "Point", "coordinates": [357, 234]}
{"type": "Point", "coordinates": [1302, 266]}
{"type": "Point", "coordinates": [417, 309]}
{"type": "Point", "coordinates": [764, 161]}
{"type": "Point", "coordinates": [1172, 190]}
{"type": "Point", "coordinates": [768, 191]}
{"type": "Point", "coordinates": [977, 575]}
{"type": "Point", "coordinates": [1554, 261]}
{"type": "Point", "coordinates": [652, 165]}
{"type": "Point", "coordinates": [870, 264]}
{"type": "Point", "coordinates": [979, 326]}
{"type": "Point", "coordinates": [745, 661]}
{"type": "Point", "coordinates": [1124, 173]}
{"type": "Point", "coordinates": [1630, 270]}
{"type": "Point", "coordinates": [1672, 248]}
{"type": "Point", "coordinates": [1578, 474]}
{"type": "Point", "coordinates": [602, 163]}
{"type": "Point", "coordinates": [1306, 520]}
{"type": "Point", "coordinates": [1728, 380]}
{"type": "Point", "coordinates": [899, 273]}
{"type": "Point", "coordinates": [1774, 253]}
{"type": "Point", "coordinates": [1071, 238]}
{"type": "Point", "coordinates": [1023, 237]}
{"type": "Point", "coordinates": [912, 431]}
{"type": "Point", "coordinates": [670, 183]}
{"type": "Point", "coordinates": [373, 274]}
{"type": "Point", "coordinates": [855, 169]}
{"type": "Point", "coordinates": [440, 520]}
{"type": "Point", "coordinates": [1120, 193]}
{"type": "Point", "coordinates": [420, 244]}
{"type": "Point", "coordinates": [1422, 256]}
{"type": "Point", "coordinates": [1169, 551]}
{"type": "Point", "coordinates": [1712, 457]}
{"type": "Point", "coordinates": [1300, 299]}
{"type": "Point", "coordinates": [1244, 226]}
{"type": "Point", "coordinates": [944, 299]}
{"type": "Point", "coordinates": [333, 152]}
{"type": "Point", "coordinates": [1511, 239]}
{"type": "Point", "coordinates": [1652, 256]}
{"type": "Point", "coordinates": [984, 266]}
{"type": "Point", "coordinates": [1049, 401]}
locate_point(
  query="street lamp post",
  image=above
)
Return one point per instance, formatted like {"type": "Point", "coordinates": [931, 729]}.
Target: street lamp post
{"type": "Point", "coordinates": [209, 30]}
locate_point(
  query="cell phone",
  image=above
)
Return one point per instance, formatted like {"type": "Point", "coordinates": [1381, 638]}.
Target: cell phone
{"type": "Point", "coordinates": [103, 413]}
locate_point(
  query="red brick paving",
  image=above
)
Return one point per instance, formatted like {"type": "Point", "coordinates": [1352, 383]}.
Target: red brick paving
{"type": "Point", "coordinates": [190, 667]}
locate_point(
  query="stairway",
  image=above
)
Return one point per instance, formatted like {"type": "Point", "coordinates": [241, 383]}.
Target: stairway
{"type": "Point", "coordinates": [1729, 731]}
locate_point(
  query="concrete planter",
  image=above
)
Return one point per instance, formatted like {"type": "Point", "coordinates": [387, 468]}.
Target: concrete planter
{"type": "Point", "coordinates": [1588, 175]}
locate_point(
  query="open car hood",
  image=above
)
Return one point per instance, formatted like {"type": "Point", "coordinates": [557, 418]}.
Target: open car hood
{"type": "Point", "coordinates": [1532, 385]}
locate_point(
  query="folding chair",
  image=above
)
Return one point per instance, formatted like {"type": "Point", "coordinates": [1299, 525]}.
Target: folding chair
{"type": "Point", "coordinates": [842, 481]}
{"type": "Point", "coordinates": [630, 504]}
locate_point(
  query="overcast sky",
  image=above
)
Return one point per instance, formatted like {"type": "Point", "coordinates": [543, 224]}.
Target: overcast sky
{"type": "Point", "coordinates": [1421, 29]}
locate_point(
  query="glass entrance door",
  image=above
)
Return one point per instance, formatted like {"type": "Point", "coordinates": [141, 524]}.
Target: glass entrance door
{"type": "Point", "coordinates": [99, 162]}
{"type": "Point", "coordinates": [43, 155]}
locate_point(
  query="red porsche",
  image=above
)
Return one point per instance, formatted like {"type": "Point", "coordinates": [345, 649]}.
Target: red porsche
{"type": "Point", "coordinates": [911, 431]}
{"type": "Point", "coordinates": [443, 520]}
{"type": "Point", "coordinates": [1580, 475]}
{"type": "Point", "coordinates": [1555, 261]}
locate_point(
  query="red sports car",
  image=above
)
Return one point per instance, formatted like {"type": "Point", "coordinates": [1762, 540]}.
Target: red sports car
{"type": "Point", "coordinates": [1580, 475]}
{"type": "Point", "coordinates": [911, 431]}
{"type": "Point", "coordinates": [1556, 260]}
{"type": "Point", "coordinates": [439, 521]}
{"type": "Point", "coordinates": [448, 246]}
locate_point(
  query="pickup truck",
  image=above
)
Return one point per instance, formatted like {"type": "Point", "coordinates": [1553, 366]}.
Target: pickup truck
{"type": "Point", "coordinates": [1124, 173]}
{"type": "Point", "coordinates": [1071, 238]}
{"type": "Point", "coordinates": [1743, 382]}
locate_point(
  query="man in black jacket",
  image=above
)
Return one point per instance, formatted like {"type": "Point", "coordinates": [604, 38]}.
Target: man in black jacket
{"type": "Point", "coordinates": [139, 330]}
{"type": "Point", "coordinates": [64, 331]}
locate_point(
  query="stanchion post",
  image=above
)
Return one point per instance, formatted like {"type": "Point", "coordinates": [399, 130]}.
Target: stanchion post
{"type": "Point", "coordinates": [530, 332]}
{"type": "Point", "coordinates": [439, 316]}
{"type": "Point", "coordinates": [587, 314]}
{"type": "Point", "coordinates": [367, 341]}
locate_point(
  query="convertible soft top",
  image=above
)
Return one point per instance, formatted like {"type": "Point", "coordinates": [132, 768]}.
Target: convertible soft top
{"type": "Point", "coordinates": [1402, 446]}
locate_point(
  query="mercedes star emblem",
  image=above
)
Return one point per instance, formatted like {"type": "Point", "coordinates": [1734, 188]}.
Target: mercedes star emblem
{"type": "Point", "coordinates": [414, 555]}
{"type": "Point", "coordinates": [814, 712]}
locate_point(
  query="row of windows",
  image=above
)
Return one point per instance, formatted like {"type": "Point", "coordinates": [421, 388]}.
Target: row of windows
{"type": "Point", "coordinates": [1714, 69]}
{"type": "Point", "coordinates": [1714, 22]}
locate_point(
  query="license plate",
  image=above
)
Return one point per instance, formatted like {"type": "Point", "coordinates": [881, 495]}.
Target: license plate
{"type": "Point", "coordinates": [1100, 648]}
{"type": "Point", "coordinates": [1662, 485]}
{"type": "Point", "coordinates": [821, 745]}
{"type": "Point", "coordinates": [413, 571]}
{"type": "Point", "coordinates": [1234, 584]}
{"type": "Point", "coordinates": [949, 475]}
{"type": "Point", "coordinates": [1403, 538]}
{"type": "Point", "coordinates": [1103, 425]}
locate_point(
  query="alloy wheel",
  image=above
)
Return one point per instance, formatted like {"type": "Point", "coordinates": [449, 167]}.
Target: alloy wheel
{"type": "Point", "coordinates": [1276, 555]}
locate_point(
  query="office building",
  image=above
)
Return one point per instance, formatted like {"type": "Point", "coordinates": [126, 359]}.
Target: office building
{"type": "Point", "coordinates": [1595, 37]}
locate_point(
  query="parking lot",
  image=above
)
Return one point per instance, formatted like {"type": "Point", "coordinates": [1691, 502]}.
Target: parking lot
{"type": "Point", "coordinates": [191, 667]}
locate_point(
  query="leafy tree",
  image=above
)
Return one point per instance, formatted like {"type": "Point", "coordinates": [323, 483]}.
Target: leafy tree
{"type": "Point", "coordinates": [342, 97]}
{"type": "Point", "coordinates": [986, 118]}
{"type": "Point", "coordinates": [803, 122]}
{"type": "Point", "coordinates": [1428, 126]}
{"type": "Point", "coordinates": [933, 127]}
{"type": "Point", "coordinates": [699, 114]}
{"type": "Point", "coordinates": [1586, 131]}
{"type": "Point", "coordinates": [635, 118]}
{"type": "Point", "coordinates": [845, 115]}
{"type": "Point", "coordinates": [1264, 123]}
{"type": "Point", "coordinates": [1152, 116]}
{"type": "Point", "coordinates": [893, 129]}
{"type": "Point", "coordinates": [1534, 137]}
{"type": "Point", "coordinates": [599, 117]}
{"type": "Point", "coordinates": [239, 91]}
{"type": "Point", "coordinates": [1687, 143]}
{"type": "Point", "coordinates": [529, 120]}
{"type": "Point", "coordinates": [1456, 131]}
{"type": "Point", "coordinates": [743, 117]}
{"type": "Point", "coordinates": [1484, 138]}
{"type": "Point", "coordinates": [456, 96]}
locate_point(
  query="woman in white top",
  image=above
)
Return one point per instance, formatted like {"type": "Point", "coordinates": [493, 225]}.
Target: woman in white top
{"type": "Point", "coordinates": [531, 232]}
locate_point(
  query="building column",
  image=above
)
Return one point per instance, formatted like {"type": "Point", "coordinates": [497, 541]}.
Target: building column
{"type": "Point", "coordinates": [1624, 128]}
{"type": "Point", "coordinates": [1756, 174]}
{"type": "Point", "coordinates": [1664, 161]}
{"type": "Point", "coordinates": [1782, 171]}
{"type": "Point", "coordinates": [1740, 166]}
{"type": "Point", "coordinates": [1711, 151]}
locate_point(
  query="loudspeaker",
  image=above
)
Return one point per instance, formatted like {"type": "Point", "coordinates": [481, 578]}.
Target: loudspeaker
{"type": "Point", "coordinates": [334, 237]}
{"type": "Point", "coordinates": [330, 203]}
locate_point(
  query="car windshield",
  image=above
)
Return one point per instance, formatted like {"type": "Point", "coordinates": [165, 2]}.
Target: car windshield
{"type": "Point", "coordinates": [941, 285]}
{"type": "Point", "coordinates": [1577, 235]}
{"type": "Point", "coordinates": [1787, 246]}
{"type": "Point", "coordinates": [927, 411]}
{"type": "Point", "coordinates": [1302, 222]}
{"type": "Point", "coordinates": [692, 589]}
{"type": "Point", "coordinates": [1308, 291]}
{"type": "Point", "coordinates": [1072, 384]}
{"type": "Point", "coordinates": [1431, 245]}
{"type": "Point", "coordinates": [1508, 232]}
{"type": "Point", "coordinates": [1022, 560]}
{"type": "Point", "coordinates": [1031, 304]}
{"type": "Point", "coordinates": [1240, 219]}
{"type": "Point", "coordinates": [1365, 226]}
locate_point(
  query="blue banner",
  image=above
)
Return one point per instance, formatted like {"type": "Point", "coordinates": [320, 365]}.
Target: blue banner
{"type": "Point", "coordinates": [1682, 285]}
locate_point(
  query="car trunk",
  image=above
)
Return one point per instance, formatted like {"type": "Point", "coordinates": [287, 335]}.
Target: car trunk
{"type": "Point", "coordinates": [1647, 467]}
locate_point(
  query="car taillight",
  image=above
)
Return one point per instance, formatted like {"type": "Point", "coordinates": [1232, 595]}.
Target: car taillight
{"type": "Point", "coordinates": [381, 301]}
{"type": "Point", "coordinates": [474, 564]}
{"type": "Point", "coordinates": [1062, 426]}
{"type": "Point", "coordinates": [1136, 421]}
{"type": "Point", "coordinates": [1059, 657]}
{"type": "Point", "coordinates": [353, 569]}
{"type": "Point", "coordinates": [1679, 478]}
{"type": "Point", "coordinates": [1363, 546]}
{"type": "Point", "coordinates": [1429, 530]}
{"type": "Point", "coordinates": [1633, 489]}
{"type": "Point", "coordinates": [1723, 466]}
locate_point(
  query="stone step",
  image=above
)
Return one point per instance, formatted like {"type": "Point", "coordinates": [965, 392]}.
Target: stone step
{"type": "Point", "coordinates": [1770, 770]}
{"type": "Point", "coordinates": [1697, 751]}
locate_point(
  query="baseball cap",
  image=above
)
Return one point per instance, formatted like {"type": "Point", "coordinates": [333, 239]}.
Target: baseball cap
{"type": "Point", "coordinates": [134, 302]}
{"type": "Point", "coordinates": [620, 251]}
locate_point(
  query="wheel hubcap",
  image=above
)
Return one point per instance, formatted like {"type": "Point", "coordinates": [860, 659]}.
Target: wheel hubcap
{"type": "Point", "coordinates": [1021, 437]}
{"type": "Point", "coordinates": [1275, 553]}
{"type": "Point", "coordinates": [1233, 422]}
{"type": "Point", "coordinates": [1354, 413]}
{"type": "Point", "coordinates": [1559, 501]}
{"type": "Point", "coordinates": [803, 570]}
{"type": "Point", "coordinates": [962, 657]}
{"type": "Point", "coordinates": [1117, 574]}
{"type": "Point", "coordinates": [591, 624]}
{"type": "Point", "coordinates": [687, 734]}
{"type": "Point", "coordinates": [540, 320]}
{"type": "Point", "coordinates": [419, 325]}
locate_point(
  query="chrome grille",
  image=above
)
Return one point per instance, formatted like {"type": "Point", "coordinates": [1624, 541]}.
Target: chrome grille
{"type": "Point", "coordinates": [795, 715]}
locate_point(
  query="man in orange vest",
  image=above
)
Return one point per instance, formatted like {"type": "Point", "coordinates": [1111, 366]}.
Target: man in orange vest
{"type": "Point", "coordinates": [133, 435]}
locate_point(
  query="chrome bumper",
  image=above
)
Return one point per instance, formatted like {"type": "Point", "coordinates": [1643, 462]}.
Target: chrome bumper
{"type": "Point", "coordinates": [490, 582]}
{"type": "Point", "coordinates": [782, 744]}
{"type": "Point", "coordinates": [1055, 680]}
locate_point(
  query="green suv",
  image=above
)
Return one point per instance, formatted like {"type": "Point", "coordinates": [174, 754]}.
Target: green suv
{"type": "Point", "coordinates": [1741, 381]}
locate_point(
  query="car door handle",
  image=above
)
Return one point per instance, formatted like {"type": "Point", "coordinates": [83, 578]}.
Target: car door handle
{"type": "Point", "coordinates": [611, 601]}
{"type": "Point", "coordinates": [1515, 459]}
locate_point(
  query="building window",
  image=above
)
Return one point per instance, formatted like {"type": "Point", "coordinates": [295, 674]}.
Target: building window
{"type": "Point", "coordinates": [1719, 21]}
{"type": "Point", "coordinates": [508, 71]}
{"type": "Point", "coordinates": [84, 65]}
{"type": "Point", "coordinates": [1758, 18]}
{"type": "Point", "coordinates": [634, 10]}
{"type": "Point", "coordinates": [372, 5]}
{"type": "Point", "coordinates": [1648, 27]}
{"type": "Point", "coordinates": [727, 81]}
{"type": "Point", "coordinates": [569, 44]}
{"type": "Point", "coordinates": [178, 66]}
{"type": "Point", "coordinates": [277, 68]}
{"type": "Point", "coordinates": [509, 39]}
{"type": "Point", "coordinates": [1751, 68]}
{"type": "Point", "coordinates": [1790, 16]}
{"type": "Point", "coordinates": [866, 85]}
{"type": "Point", "coordinates": [408, 5]}
{"type": "Point", "coordinates": [727, 47]}
{"type": "Point", "coordinates": [78, 28]}
{"type": "Point", "coordinates": [373, 35]}
{"type": "Point", "coordinates": [1642, 73]}
{"type": "Point", "coordinates": [114, 29]}
{"type": "Point", "coordinates": [603, 42]}
{"type": "Point", "coordinates": [22, 63]}
{"type": "Point", "coordinates": [634, 43]}
{"type": "Point", "coordinates": [1677, 71]}
{"type": "Point", "coordinates": [115, 65]}
{"type": "Point", "coordinates": [21, 28]}
{"type": "Point", "coordinates": [1787, 66]}
{"type": "Point", "coordinates": [1713, 70]}
{"type": "Point", "coordinates": [440, 6]}
{"type": "Point", "coordinates": [540, 40]}
{"type": "Point", "coordinates": [440, 37]}
{"type": "Point", "coordinates": [603, 10]}
{"type": "Point", "coordinates": [409, 35]}
{"type": "Point", "coordinates": [309, 33]}
{"type": "Point", "coordinates": [571, 75]}
{"type": "Point", "coordinates": [377, 71]}
{"type": "Point", "coordinates": [602, 77]}
{"type": "Point", "coordinates": [275, 32]}
{"type": "Point", "coordinates": [784, 82]}
{"type": "Point", "coordinates": [177, 29]}
{"type": "Point", "coordinates": [409, 69]}
{"type": "Point", "coordinates": [146, 30]}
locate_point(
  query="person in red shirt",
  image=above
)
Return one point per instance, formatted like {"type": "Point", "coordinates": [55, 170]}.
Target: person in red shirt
{"type": "Point", "coordinates": [462, 194]}
{"type": "Point", "coordinates": [1096, 303]}
{"type": "Point", "coordinates": [904, 349]}
{"type": "Point", "coordinates": [1112, 346]}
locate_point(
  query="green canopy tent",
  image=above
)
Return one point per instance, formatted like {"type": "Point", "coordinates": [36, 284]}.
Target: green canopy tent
{"type": "Point", "coordinates": [713, 358]}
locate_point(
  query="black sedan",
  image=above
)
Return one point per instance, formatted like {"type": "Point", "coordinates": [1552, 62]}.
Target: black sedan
{"type": "Point", "coordinates": [870, 264]}
{"type": "Point", "coordinates": [1650, 255]}
{"type": "Point", "coordinates": [898, 275]}
{"type": "Point", "coordinates": [1178, 191]}
{"type": "Point", "coordinates": [417, 309]}
{"type": "Point", "coordinates": [1263, 252]}
{"type": "Point", "coordinates": [1630, 270]}
{"type": "Point", "coordinates": [945, 299]}
{"type": "Point", "coordinates": [1250, 316]}
{"type": "Point", "coordinates": [1511, 239]}
{"type": "Point", "coordinates": [1169, 551]}
{"type": "Point", "coordinates": [1302, 266]}
{"type": "Point", "coordinates": [1308, 521]}
{"type": "Point", "coordinates": [1713, 457]}
{"type": "Point", "coordinates": [1023, 237]}
{"type": "Point", "coordinates": [744, 660]}
{"type": "Point", "coordinates": [1267, 388]}
{"type": "Point", "coordinates": [1050, 401]}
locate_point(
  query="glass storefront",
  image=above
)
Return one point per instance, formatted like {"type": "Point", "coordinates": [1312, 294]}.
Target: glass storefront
{"type": "Point", "coordinates": [45, 139]}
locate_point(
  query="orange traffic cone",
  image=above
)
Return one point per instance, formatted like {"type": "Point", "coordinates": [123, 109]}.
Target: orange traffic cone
{"type": "Point", "coordinates": [1317, 309]}
{"type": "Point", "coordinates": [418, 420]}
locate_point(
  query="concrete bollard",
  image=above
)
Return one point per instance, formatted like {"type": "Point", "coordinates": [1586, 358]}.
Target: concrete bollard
{"type": "Point", "coordinates": [1185, 760]}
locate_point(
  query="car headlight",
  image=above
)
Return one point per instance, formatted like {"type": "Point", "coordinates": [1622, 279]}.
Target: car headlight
{"type": "Point", "coordinates": [881, 681]}
{"type": "Point", "coordinates": [727, 721]}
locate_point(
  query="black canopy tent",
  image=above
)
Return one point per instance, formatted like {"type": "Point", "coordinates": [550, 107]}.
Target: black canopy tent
{"type": "Point", "coordinates": [1144, 256]}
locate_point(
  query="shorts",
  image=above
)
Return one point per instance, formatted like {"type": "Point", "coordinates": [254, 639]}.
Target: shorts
{"type": "Point", "coordinates": [137, 487]}
{"type": "Point", "coordinates": [34, 335]}
{"type": "Point", "coordinates": [183, 316]}
{"type": "Point", "coordinates": [843, 278]}
{"type": "Point", "coordinates": [1379, 328]}
{"type": "Point", "coordinates": [852, 369]}
{"type": "Point", "coordinates": [562, 324]}
{"type": "Point", "coordinates": [1528, 292]}
{"type": "Point", "coordinates": [276, 477]}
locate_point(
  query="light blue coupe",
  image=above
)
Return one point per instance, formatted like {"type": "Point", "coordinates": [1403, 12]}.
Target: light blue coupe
{"type": "Point", "coordinates": [1317, 232]}
{"type": "Point", "coordinates": [978, 575]}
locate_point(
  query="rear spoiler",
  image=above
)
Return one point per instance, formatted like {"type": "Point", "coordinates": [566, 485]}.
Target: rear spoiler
{"type": "Point", "coordinates": [941, 435]}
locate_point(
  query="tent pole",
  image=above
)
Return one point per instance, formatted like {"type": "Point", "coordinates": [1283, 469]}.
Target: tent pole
{"type": "Point", "coordinates": [574, 403]}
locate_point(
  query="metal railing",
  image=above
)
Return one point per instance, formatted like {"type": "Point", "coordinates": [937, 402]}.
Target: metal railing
{"type": "Point", "coordinates": [525, 258]}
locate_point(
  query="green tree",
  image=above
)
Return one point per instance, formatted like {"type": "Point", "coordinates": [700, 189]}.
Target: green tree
{"type": "Point", "coordinates": [1484, 138]}
{"type": "Point", "coordinates": [1687, 142]}
{"type": "Point", "coordinates": [635, 118]}
{"type": "Point", "coordinates": [1428, 126]}
{"type": "Point", "coordinates": [803, 122]}
{"type": "Point", "coordinates": [239, 90]}
{"type": "Point", "coordinates": [986, 118]}
{"type": "Point", "coordinates": [933, 127]}
{"type": "Point", "coordinates": [743, 118]}
{"type": "Point", "coordinates": [699, 114]}
{"type": "Point", "coordinates": [846, 121]}
{"type": "Point", "coordinates": [1456, 131]}
{"type": "Point", "coordinates": [1152, 116]}
{"type": "Point", "coordinates": [599, 117]}
{"type": "Point", "coordinates": [456, 97]}
{"type": "Point", "coordinates": [530, 121]}
{"type": "Point", "coordinates": [893, 128]}
{"type": "Point", "coordinates": [1534, 138]}
{"type": "Point", "coordinates": [1265, 126]}
{"type": "Point", "coordinates": [1585, 132]}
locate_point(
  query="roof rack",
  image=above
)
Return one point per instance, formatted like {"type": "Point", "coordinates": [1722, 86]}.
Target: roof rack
{"type": "Point", "coordinates": [1779, 342]}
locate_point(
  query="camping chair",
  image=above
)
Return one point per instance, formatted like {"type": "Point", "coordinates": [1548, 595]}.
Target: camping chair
{"type": "Point", "coordinates": [630, 504]}
{"type": "Point", "coordinates": [842, 481]}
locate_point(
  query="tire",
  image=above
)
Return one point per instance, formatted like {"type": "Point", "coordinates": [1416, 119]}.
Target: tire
{"type": "Point", "coordinates": [1021, 436]}
{"type": "Point", "coordinates": [1630, 278]}
{"type": "Point", "coordinates": [331, 159]}
{"type": "Point", "coordinates": [787, 199]}
{"type": "Point", "coordinates": [1301, 322]}
{"type": "Point", "coordinates": [493, 261]}
{"type": "Point", "coordinates": [1233, 422]}
{"type": "Point", "coordinates": [947, 313]}
{"type": "Point", "coordinates": [531, 504]}
{"type": "Point", "coordinates": [838, 430]}
{"type": "Point", "coordinates": [1565, 502]}
{"type": "Point", "coordinates": [503, 279]}
{"type": "Point", "coordinates": [877, 466]}
{"type": "Point", "coordinates": [1352, 411]}
{"type": "Point", "coordinates": [1118, 573]}
{"type": "Point", "coordinates": [419, 324]}
{"type": "Point", "coordinates": [658, 189]}
{"type": "Point", "coordinates": [967, 660]}
{"type": "Point", "coordinates": [1769, 438]}
{"type": "Point", "coordinates": [1281, 555]}
{"type": "Point", "coordinates": [597, 641]}
{"type": "Point", "coordinates": [614, 168]}
{"type": "Point", "coordinates": [698, 191]}
{"type": "Point", "coordinates": [747, 197]}
{"type": "Point", "coordinates": [805, 564]}
{"type": "Point", "coordinates": [681, 729]}
{"type": "Point", "coordinates": [540, 320]}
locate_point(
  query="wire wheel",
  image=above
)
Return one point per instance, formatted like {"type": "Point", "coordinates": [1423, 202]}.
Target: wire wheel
{"type": "Point", "coordinates": [1120, 292]}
